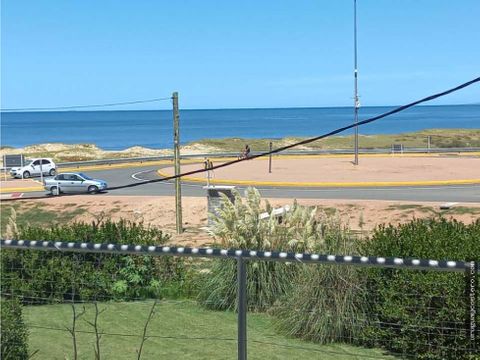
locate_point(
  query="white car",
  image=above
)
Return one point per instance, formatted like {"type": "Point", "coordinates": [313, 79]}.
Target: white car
{"type": "Point", "coordinates": [74, 183]}
{"type": "Point", "coordinates": [34, 167]}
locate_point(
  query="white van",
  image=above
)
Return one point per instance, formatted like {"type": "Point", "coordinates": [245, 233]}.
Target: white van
{"type": "Point", "coordinates": [34, 167]}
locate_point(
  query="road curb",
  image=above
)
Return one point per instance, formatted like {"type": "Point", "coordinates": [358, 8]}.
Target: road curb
{"type": "Point", "coordinates": [195, 160]}
{"type": "Point", "coordinates": [329, 184]}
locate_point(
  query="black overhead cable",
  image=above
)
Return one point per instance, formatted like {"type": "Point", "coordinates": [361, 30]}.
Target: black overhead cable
{"type": "Point", "coordinates": [73, 107]}
{"type": "Point", "coordinates": [283, 148]}
{"type": "Point", "coordinates": [307, 141]}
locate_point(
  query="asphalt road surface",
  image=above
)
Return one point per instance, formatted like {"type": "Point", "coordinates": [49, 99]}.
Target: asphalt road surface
{"type": "Point", "coordinates": [457, 193]}
{"type": "Point", "coordinates": [123, 176]}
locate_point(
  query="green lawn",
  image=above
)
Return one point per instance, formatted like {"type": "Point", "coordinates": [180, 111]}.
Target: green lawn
{"type": "Point", "coordinates": [179, 330]}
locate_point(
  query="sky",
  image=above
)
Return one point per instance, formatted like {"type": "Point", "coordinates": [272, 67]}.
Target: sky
{"type": "Point", "coordinates": [236, 54]}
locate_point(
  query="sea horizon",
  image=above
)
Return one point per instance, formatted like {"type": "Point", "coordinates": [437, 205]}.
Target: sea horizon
{"type": "Point", "coordinates": [121, 129]}
{"type": "Point", "coordinates": [239, 108]}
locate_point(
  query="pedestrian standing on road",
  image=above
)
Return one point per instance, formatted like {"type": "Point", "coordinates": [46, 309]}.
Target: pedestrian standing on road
{"type": "Point", "coordinates": [207, 165]}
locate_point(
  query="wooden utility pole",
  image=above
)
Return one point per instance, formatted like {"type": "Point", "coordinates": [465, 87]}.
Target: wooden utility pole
{"type": "Point", "coordinates": [176, 157]}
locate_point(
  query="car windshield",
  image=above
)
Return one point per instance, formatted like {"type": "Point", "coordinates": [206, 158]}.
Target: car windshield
{"type": "Point", "coordinates": [86, 177]}
{"type": "Point", "coordinates": [28, 162]}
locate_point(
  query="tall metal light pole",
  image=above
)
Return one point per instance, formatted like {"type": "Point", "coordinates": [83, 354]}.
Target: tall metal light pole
{"type": "Point", "coordinates": [355, 73]}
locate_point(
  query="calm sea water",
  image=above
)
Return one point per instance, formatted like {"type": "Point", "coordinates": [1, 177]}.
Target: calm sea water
{"type": "Point", "coordinates": [121, 129]}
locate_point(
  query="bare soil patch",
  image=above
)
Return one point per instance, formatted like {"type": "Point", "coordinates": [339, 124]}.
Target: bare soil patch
{"type": "Point", "coordinates": [159, 211]}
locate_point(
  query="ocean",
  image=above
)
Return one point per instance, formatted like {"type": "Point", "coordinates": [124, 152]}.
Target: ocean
{"type": "Point", "coordinates": [116, 130]}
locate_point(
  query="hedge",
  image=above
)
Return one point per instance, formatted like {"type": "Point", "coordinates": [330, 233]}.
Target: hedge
{"type": "Point", "coordinates": [14, 334]}
{"type": "Point", "coordinates": [48, 276]}
{"type": "Point", "coordinates": [421, 313]}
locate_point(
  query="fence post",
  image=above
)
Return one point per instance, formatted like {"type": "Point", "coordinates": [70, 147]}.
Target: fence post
{"type": "Point", "coordinates": [242, 308]}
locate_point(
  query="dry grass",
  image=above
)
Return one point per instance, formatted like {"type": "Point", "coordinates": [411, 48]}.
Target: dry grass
{"type": "Point", "coordinates": [443, 138]}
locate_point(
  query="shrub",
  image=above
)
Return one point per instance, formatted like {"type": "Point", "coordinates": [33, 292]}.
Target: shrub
{"type": "Point", "coordinates": [44, 276]}
{"type": "Point", "coordinates": [14, 334]}
{"type": "Point", "coordinates": [421, 313]}
{"type": "Point", "coordinates": [239, 226]}
{"type": "Point", "coordinates": [266, 282]}
{"type": "Point", "coordinates": [327, 302]}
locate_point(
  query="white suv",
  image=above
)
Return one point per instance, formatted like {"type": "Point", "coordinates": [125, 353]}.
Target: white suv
{"type": "Point", "coordinates": [34, 167]}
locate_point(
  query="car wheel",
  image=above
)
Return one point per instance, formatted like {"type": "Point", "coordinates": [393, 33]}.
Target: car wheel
{"type": "Point", "coordinates": [92, 189]}
{"type": "Point", "coordinates": [54, 190]}
{"type": "Point", "coordinates": [52, 172]}
{"type": "Point", "coordinates": [26, 174]}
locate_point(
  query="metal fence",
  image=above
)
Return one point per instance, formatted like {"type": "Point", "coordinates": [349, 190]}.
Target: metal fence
{"type": "Point", "coordinates": [45, 282]}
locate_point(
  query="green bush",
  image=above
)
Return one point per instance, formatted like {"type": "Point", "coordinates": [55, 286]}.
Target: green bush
{"type": "Point", "coordinates": [14, 334]}
{"type": "Point", "coordinates": [421, 313]}
{"type": "Point", "coordinates": [239, 226]}
{"type": "Point", "coordinates": [266, 282]}
{"type": "Point", "coordinates": [327, 302]}
{"type": "Point", "coordinates": [46, 276]}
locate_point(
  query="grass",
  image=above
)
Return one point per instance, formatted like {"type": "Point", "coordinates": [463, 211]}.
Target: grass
{"type": "Point", "coordinates": [404, 207]}
{"type": "Point", "coordinates": [456, 210]}
{"type": "Point", "coordinates": [36, 215]}
{"type": "Point", "coordinates": [461, 210]}
{"type": "Point", "coordinates": [329, 211]}
{"type": "Point", "coordinates": [179, 330]}
{"type": "Point", "coordinates": [443, 138]}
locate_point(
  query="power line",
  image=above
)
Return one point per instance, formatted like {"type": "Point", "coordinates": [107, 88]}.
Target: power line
{"type": "Point", "coordinates": [307, 141]}
{"type": "Point", "coordinates": [283, 148]}
{"type": "Point", "coordinates": [72, 107]}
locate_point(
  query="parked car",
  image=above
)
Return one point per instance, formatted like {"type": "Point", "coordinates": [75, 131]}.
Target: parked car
{"type": "Point", "coordinates": [34, 167]}
{"type": "Point", "coordinates": [74, 183]}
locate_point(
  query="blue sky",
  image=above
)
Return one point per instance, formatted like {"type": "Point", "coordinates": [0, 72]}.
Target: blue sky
{"type": "Point", "coordinates": [224, 54]}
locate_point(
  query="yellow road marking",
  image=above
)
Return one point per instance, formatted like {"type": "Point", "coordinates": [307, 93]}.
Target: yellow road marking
{"type": "Point", "coordinates": [20, 189]}
{"type": "Point", "coordinates": [330, 184]}
{"type": "Point", "coordinates": [270, 183]}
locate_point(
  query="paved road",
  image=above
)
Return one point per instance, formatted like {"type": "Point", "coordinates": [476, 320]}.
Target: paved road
{"type": "Point", "coordinates": [122, 176]}
{"type": "Point", "coordinates": [464, 193]}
